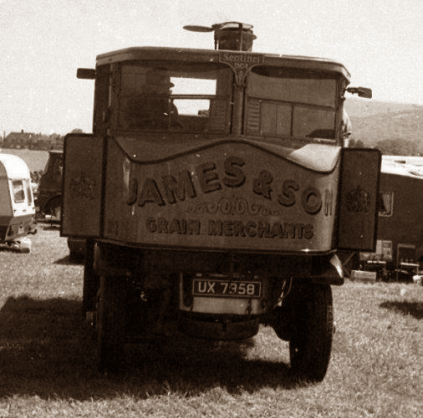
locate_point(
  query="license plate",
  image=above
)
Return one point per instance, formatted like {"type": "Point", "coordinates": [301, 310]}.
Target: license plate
{"type": "Point", "coordinates": [226, 288]}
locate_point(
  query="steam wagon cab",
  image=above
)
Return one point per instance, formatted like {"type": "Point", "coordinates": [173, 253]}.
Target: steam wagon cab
{"type": "Point", "coordinates": [17, 210]}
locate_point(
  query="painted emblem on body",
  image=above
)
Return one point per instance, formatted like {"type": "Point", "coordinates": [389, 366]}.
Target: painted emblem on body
{"type": "Point", "coordinates": [358, 200]}
{"type": "Point", "coordinates": [82, 187]}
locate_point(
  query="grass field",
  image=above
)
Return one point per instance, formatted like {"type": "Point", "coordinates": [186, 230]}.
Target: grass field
{"type": "Point", "coordinates": [47, 356]}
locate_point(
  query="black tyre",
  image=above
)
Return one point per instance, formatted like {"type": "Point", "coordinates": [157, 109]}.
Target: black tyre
{"type": "Point", "coordinates": [311, 341]}
{"type": "Point", "coordinates": [111, 324]}
{"type": "Point", "coordinates": [54, 208]}
{"type": "Point", "coordinates": [91, 281]}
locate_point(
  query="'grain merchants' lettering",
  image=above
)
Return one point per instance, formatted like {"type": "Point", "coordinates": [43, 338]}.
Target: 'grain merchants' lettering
{"type": "Point", "coordinates": [249, 229]}
{"type": "Point", "coordinates": [260, 229]}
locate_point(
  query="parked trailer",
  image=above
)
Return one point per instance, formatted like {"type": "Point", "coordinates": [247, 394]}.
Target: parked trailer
{"type": "Point", "coordinates": [17, 210]}
{"type": "Point", "coordinates": [214, 195]}
{"type": "Point", "coordinates": [399, 249]}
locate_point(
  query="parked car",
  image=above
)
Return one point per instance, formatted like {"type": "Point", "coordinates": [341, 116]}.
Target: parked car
{"type": "Point", "coordinates": [49, 197]}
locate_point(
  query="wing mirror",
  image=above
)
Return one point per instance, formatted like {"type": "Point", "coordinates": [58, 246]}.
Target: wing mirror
{"type": "Point", "coordinates": [361, 91]}
{"type": "Point", "coordinates": [85, 73]}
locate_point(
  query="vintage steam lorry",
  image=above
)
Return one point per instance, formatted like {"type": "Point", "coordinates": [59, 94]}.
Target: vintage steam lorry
{"type": "Point", "coordinates": [214, 195]}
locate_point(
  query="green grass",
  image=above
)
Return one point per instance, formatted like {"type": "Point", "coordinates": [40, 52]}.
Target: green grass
{"type": "Point", "coordinates": [47, 356]}
{"type": "Point", "coordinates": [36, 160]}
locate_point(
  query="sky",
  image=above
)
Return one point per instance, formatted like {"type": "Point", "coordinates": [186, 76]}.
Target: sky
{"type": "Point", "coordinates": [44, 42]}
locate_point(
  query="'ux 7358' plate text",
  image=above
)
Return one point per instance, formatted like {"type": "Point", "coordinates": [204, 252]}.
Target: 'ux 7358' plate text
{"type": "Point", "coordinates": [226, 288]}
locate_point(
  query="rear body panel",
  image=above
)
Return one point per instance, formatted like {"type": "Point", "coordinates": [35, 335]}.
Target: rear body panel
{"type": "Point", "coordinates": [231, 196]}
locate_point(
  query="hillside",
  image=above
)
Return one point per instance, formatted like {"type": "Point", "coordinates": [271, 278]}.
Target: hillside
{"type": "Point", "coordinates": [401, 124]}
{"type": "Point", "coordinates": [374, 121]}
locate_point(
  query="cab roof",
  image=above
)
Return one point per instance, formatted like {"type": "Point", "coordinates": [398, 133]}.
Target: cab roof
{"type": "Point", "coordinates": [148, 53]}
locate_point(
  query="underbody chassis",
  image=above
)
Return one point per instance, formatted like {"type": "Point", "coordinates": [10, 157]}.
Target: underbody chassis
{"type": "Point", "coordinates": [144, 294]}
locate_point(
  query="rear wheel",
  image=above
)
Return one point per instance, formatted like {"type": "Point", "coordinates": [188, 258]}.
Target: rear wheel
{"type": "Point", "coordinates": [57, 213]}
{"type": "Point", "coordinates": [111, 324]}
{"type": "Point", "coordinates": [54, 209]}
{"type": "Point", "coordinates": [91, 281]}
{"type": "Point", "coordinates": [311, 341]}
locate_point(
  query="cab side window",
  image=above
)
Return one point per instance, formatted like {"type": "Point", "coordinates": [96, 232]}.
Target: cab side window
{"type": "Point", "coordinates": [288, 103]}
{"type": "Point", "coordinates": [182, 97]}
